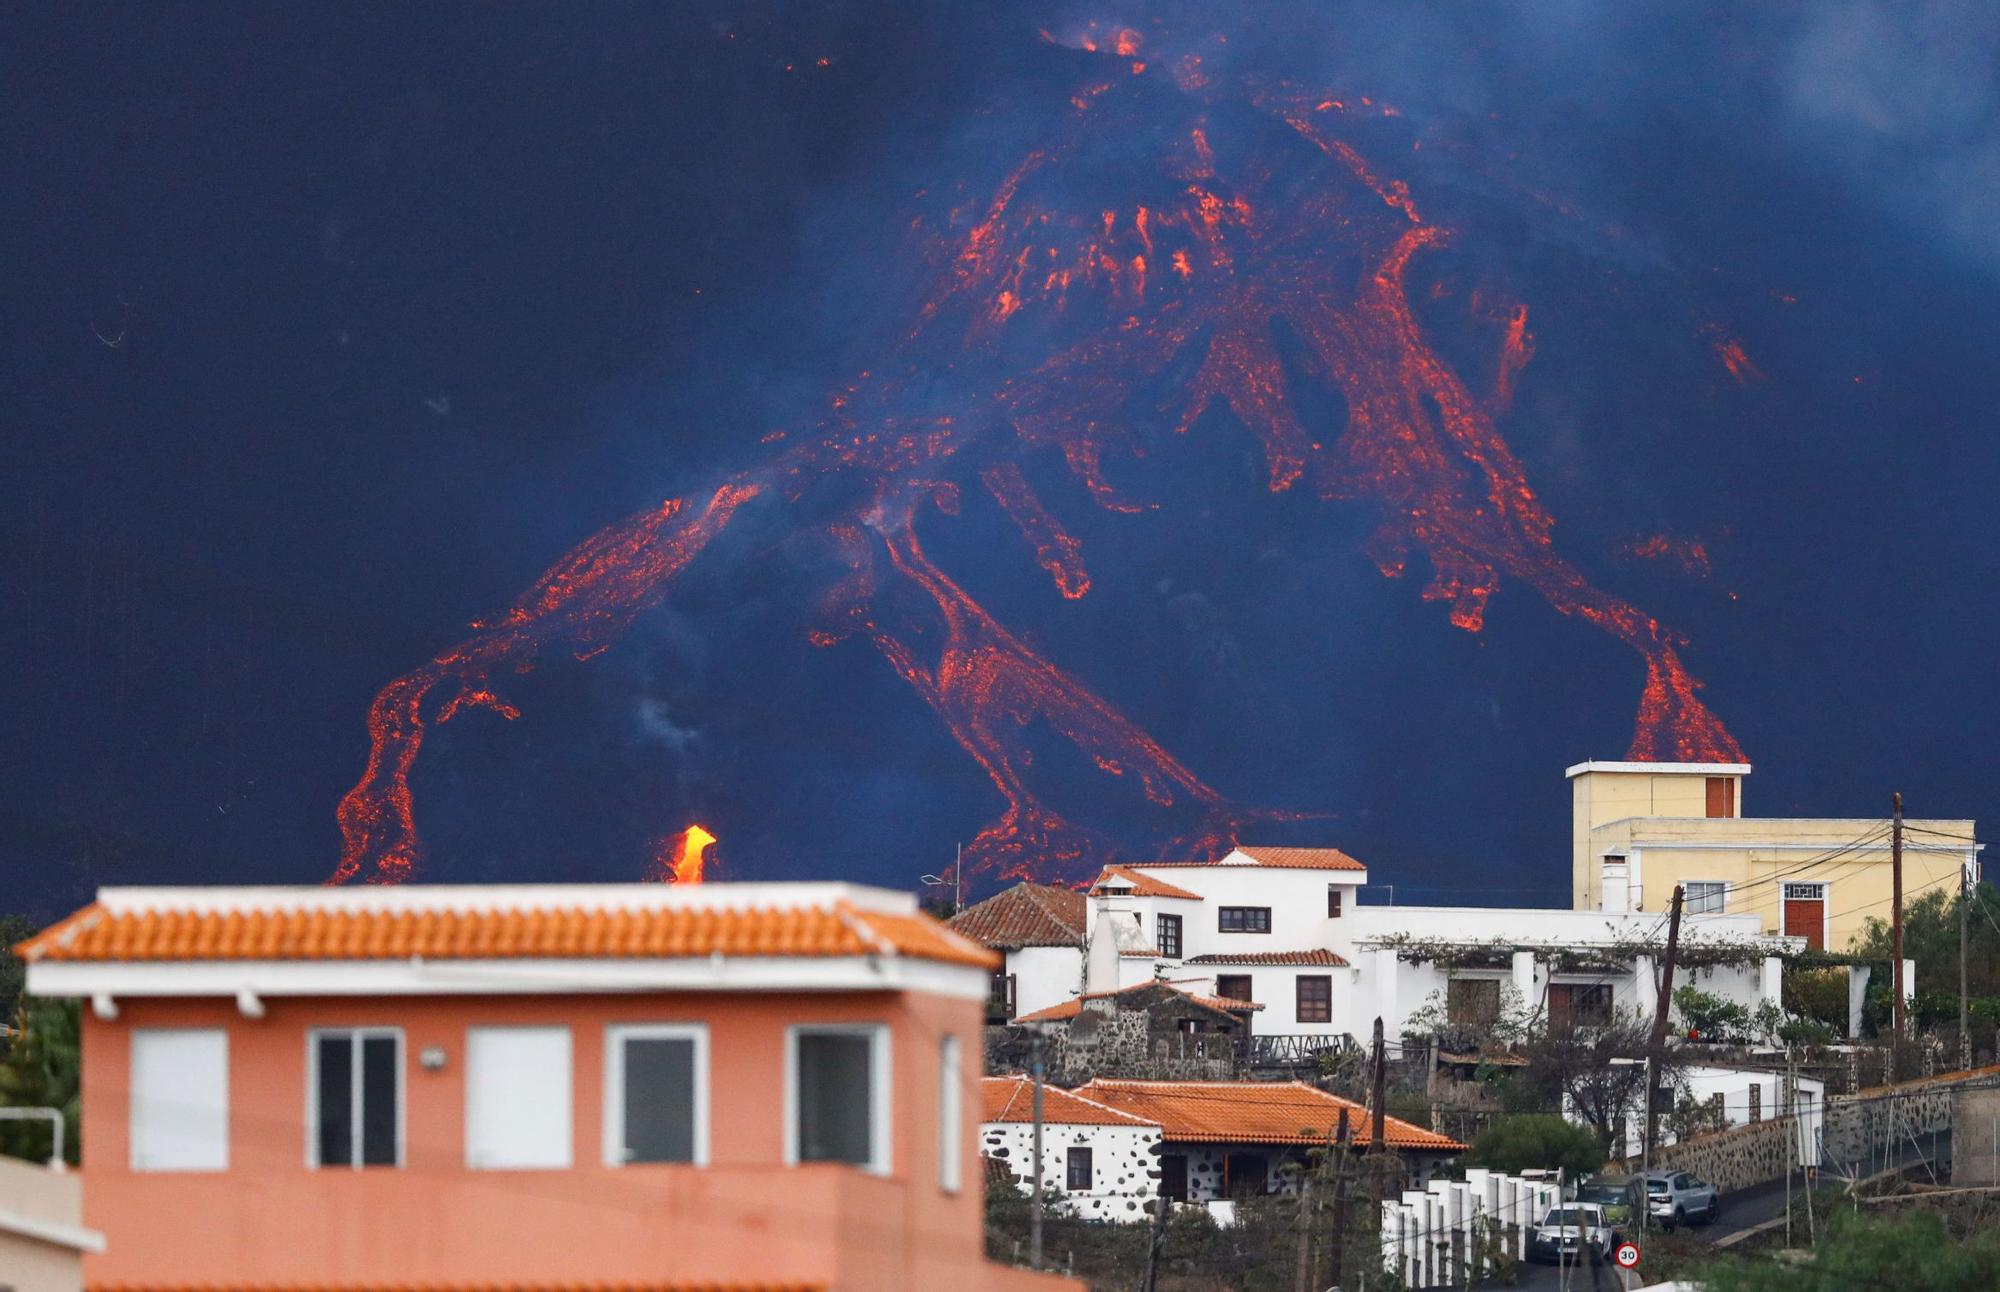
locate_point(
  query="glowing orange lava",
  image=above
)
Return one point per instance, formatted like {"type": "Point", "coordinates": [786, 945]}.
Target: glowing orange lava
{"type": "Point", "coordinates": [1063, 330]}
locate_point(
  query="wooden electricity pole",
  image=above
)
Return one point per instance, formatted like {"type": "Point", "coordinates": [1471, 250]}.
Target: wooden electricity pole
{"type": "Point", "coordinates": [1375, 1136]}
{"type": "Point", "coordinates": [1155, 1240]}
{"type": "Point", "coordinates": [1035, 1067]}
{"type": "Point", "coordinates": [1659, 1037]}
{"type": "Point", "coordinates": [1896, 908]}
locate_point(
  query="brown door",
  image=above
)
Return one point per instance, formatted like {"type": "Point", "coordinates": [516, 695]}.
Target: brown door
{"type": "Point", "coordinates": [1805, 919]}
{"type": "Point", "coordinates": [1721, 796]}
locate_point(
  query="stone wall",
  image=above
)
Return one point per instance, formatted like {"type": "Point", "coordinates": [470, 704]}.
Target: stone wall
{"type": "Point", "coordinates": [1975, 1137]}
{"type": "Point", "coordinates": [1857, 1127]}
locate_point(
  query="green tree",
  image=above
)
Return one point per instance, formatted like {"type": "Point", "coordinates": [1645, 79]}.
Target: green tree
{"type": "Point", "coordinates": [1913, 1252]}
{"type": "Point", "coordinates": [1532, 1140]}
{"type": "Point", "coordinates": [42, 1069]}
{"type": "Point", "coordinates": [13, 929]}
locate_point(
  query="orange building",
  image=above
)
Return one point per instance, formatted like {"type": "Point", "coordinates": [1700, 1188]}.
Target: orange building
{"type": "Point", "coordinates": [523, 1087]}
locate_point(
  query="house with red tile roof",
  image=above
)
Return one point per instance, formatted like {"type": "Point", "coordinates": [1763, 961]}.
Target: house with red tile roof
{"type": "Point", "coordinates": [1283, 927]}
{"type": "Point", "coordinates": [1109, 1147]}
{"type": "Point", "coordinates": [723, 1086]}
{"type": "Point", "coordinates": [1039, 929]}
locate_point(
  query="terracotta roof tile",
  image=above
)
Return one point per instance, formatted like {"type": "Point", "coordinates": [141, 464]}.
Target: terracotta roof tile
{"type": "Point", "coordinates": [1301, 858]}
{"type": "Point", "coordinates": [1276, 858]}
{"type": "Point", "coordinates": [1143, 885]}
{"type": "Point", "coordinates": [1026, 915]}
{"type": "Point", "coordinates": [99, 935]}
{"type": "Point", "coordinates": [1316, 957]}
{"type": "Point", "coordinates": [1012, 1099]}
{"type": "Point", "coordinates": [1071, 1008]}
{"type": "Point", "coordinates": [1253, 1112]}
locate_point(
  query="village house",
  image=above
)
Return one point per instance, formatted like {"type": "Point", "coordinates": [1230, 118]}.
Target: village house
{"type": "Point", "coordinates": [1281, 928]}
{"type": "Point", "coordinates": [723, 1086]}
{"type": "Point", "coordinates": [1152, 1028]}
{"type": "Point", "coordinates": [1638, 829]}
{"type": "Point", "coordinates": [1110, 1146]}
{"type": "Point", "coordinates": [1038, 928]}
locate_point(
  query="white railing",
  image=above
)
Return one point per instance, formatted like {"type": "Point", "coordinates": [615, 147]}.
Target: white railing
{"type": "Point", "coordinates": [1450, 1231]}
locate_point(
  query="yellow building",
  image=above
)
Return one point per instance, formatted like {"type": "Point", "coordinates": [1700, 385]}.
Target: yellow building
{"type": "Point", "coordinates": [1638, 829]}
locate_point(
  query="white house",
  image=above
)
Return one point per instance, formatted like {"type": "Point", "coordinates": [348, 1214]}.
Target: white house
{"type": "Point", "coordinates": [1744, 1096]}
{"type": "Point", "coordinates": [1281, 927]}
{"type": "Point", "coordinates": [1105, 1163]}
{"type": "Point", "coordinates": [1040, 929]}
{"type": "Point", "coordinates": [1110, 1146]}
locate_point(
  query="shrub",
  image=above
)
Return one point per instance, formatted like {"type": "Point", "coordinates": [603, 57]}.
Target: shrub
{"type": "Point", "coordinates": [1711, 1017]}
{"type": "Point", "coordinates": [1537, 1140]}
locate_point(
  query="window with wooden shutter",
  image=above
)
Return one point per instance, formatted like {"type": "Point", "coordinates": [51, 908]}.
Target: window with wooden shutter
{"type": "Point", "coordinates": [1721, 796]}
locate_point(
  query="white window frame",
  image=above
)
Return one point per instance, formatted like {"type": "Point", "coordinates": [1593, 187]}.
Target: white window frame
{"type": "Point", "coordinates": [1721, 884]}
{"type": "Point", "coordinates": [615, 1036]}
{"type": "Point", "coordinates": [313, 1037]}
{"type": "Point", "coordinates": [951, 1115]}
{"type": "Point", "coordinates": [568, 1103]}
{"type": "Point", "coordinates": [880, 1146]}
{"type": "Point", "coordinates": [132, 1140]}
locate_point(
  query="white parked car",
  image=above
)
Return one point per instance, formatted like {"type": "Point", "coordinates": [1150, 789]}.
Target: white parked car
{"type": "Point", "coordinates": [1676, 1198]}
{"type": "Point", "coordinates": [1571, 1231]}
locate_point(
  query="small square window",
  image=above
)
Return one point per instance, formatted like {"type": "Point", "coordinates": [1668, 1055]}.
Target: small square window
{"type": "Point", "coordinates": [1706, 897]}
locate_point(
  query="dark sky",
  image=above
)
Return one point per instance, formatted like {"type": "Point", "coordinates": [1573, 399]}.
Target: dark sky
{"type": "Point", "coordinates": [330, 328]}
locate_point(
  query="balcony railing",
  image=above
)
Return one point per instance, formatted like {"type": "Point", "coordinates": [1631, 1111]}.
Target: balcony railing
{"type": "Point", "coordinates": [1279, 1049]}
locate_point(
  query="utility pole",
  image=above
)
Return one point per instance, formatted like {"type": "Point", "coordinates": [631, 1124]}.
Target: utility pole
{"type": "Point", "coordinates": [1035, 1067]}
{"type": "Point", "coordinates": [1341, 1138]}
{"type": "Point", "coordinates": [1302, 1232]}
{"type": "Point", "coordinates": [1376, 1137]}
{"type": "Point", "coordinates": [1964, 999]}
{"type": "Point", "coordinates": [1155, 1241]}
{"type": "Point", "coordinates": [1896, 907]}
{"type": "Point", "coordinates": [1659, 1037]}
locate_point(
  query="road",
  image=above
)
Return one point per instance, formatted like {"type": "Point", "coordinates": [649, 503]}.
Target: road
{"type": "Point", "coordinates": [1742, 1210]}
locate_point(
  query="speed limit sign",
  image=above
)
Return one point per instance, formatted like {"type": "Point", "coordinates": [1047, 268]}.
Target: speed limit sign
{"type": "Point", "coordinates": [1627, 1256]}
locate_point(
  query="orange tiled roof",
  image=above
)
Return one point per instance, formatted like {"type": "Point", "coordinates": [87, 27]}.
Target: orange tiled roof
{"type": "Point", "coordinates": [1302, 858]}
{"type": "Point", "coordinates": [644, 1285]}
{"type": "Point", "coordinates": [1012, 1099]}
{"type": "Point", "coordinates": [1316, 957]}
{"type": "Point", "coordinates": [98, 935]}
{"type": "Point", "coordinates": [1074, 1006]}
{"type": "Point", "coordinates": [1026, 915]}
{"type": "Point", "coordinates": [1277, 859]}
{"type": "Point", "coordinates": [1144, 885]}
{"type": "Point", "coordinates": [1253, 1112]}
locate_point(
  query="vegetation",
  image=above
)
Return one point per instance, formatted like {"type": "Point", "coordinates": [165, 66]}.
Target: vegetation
{"type": "Point", "coordinates": [1930, 937]}
{"type": "Point", "coordinates": [42, 1069]}
{"type": "Point", "coordinates": [13, 929]}
{"type": "Point", "coordinates": [1711, 1018]}
{"type": "Point", "coordinates": [1914, 1252]}
{"type": "Point", "coordinates": [1537, 1140]}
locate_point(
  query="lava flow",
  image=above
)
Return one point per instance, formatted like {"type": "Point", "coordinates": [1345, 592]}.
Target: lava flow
{"type": "Point", "coordinates": [680, 859]}
{"type": "Point", "coordinates": [1079, 307]}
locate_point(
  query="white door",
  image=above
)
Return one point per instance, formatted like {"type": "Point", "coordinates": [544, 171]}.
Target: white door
{"type": "Point", "coordinates": [517, 1098]}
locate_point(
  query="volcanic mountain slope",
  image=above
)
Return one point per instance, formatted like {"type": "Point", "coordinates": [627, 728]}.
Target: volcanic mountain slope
{"type": "Point", "coordinates": [1175, 243]}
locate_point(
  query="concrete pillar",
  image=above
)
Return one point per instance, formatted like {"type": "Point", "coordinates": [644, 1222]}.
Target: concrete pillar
{"type": "Point", "coordinates": [1645, 985]}
{"type": "Point", "coordinates": [1524, 981]}
{"type": "Point", "coordinates": [1910, 984]}
{"type": "Point", "coordinates": [1772, 983]}
{"type": "Point", "coordinates": [1857, 995]}
{"type": "Point", "coordinates": [1386, 988]}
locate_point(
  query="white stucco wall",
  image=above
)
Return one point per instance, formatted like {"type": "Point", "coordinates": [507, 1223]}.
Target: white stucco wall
{"type": "Point", "coordinates": [1734, 1085]}
{"type": "Point", "coordinates": [1044, 976]}
{"type": "Point", "coordinates": [1123, 1162]}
